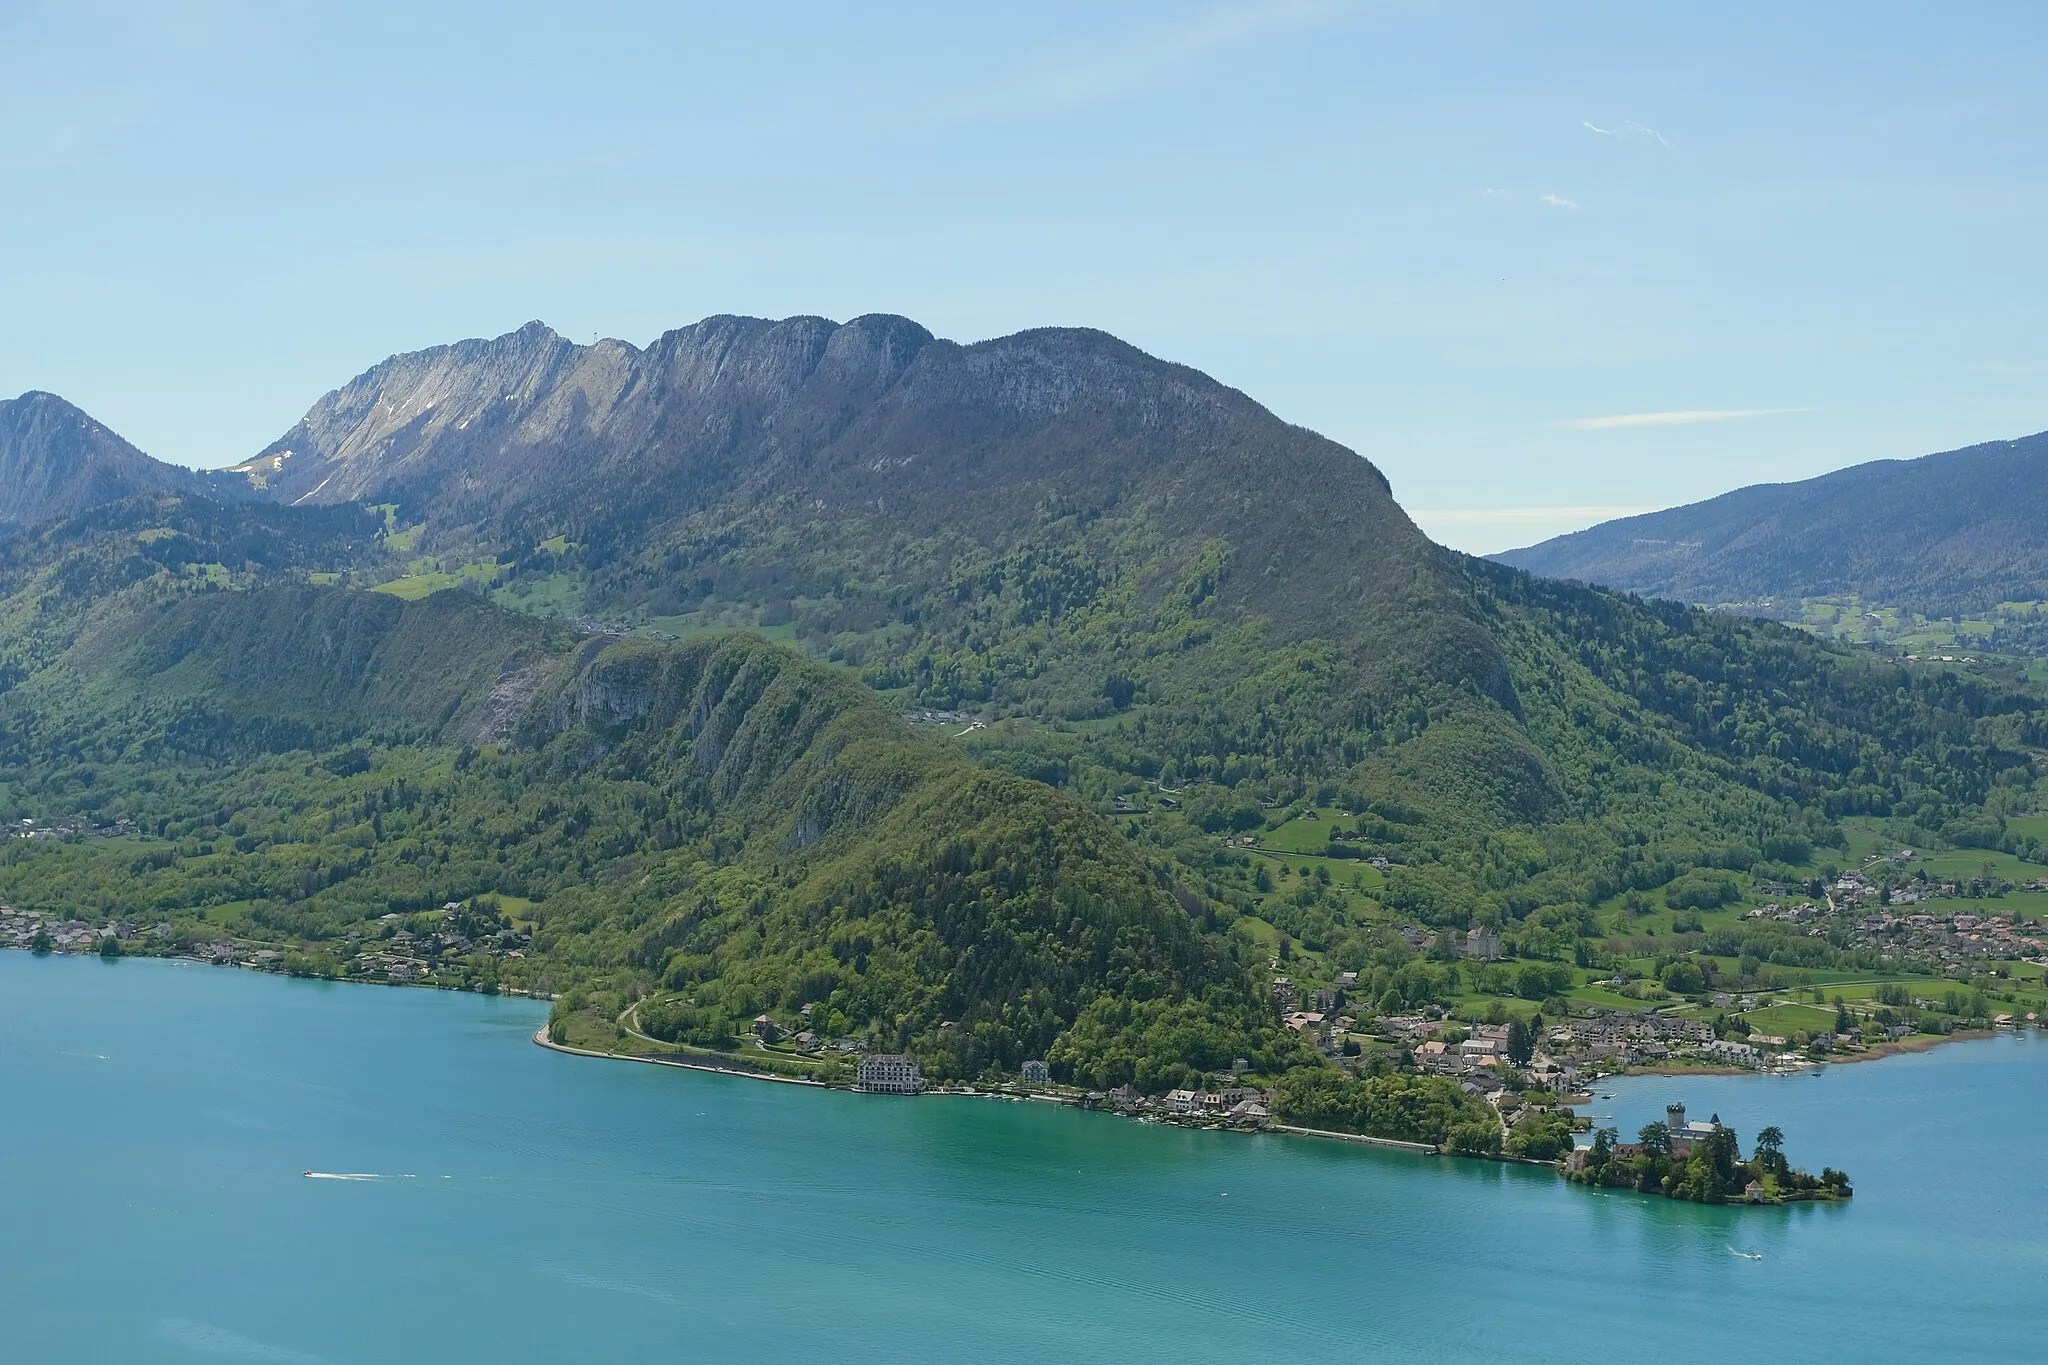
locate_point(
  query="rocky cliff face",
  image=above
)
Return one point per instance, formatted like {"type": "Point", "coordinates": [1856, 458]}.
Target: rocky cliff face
{"type": "Point", "coordinates": [874, 428]}
{"type": "Point", "coordinates": [55, 461]}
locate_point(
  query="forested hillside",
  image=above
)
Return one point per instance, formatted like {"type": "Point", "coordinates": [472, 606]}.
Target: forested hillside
{"type": "Point", "coordinates": [722, 819]}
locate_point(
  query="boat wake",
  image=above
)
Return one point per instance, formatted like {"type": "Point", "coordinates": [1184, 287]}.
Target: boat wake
{"type": "Point", "coordinates": [352, 1175]}
{"type": "Point", "coordinates": [1746, 1255]}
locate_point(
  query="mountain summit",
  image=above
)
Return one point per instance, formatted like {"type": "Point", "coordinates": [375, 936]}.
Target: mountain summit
{"type": "Point", "coordinates": [56, 461]}
{"type": "Point", "coordinates": [839, 473]}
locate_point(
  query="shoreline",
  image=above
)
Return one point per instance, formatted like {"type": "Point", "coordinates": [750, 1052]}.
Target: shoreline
{"type": "Point", "coordinates": [540, 1037]}
{"type": "Point", "coordinates": [1397, 1144]}
{"type": "Point", "coordinates": [1875, 1052]}
{"type": "Point", "coordinates": [517, 992]}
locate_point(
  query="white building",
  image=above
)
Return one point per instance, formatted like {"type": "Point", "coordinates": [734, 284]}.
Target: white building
{"type": "Point", "coordinates": [1727, 1050]}
{"type": "Point", "coordinates": [889, 1073]}
{"type": "Point", "coordinates": [1037, 1073]}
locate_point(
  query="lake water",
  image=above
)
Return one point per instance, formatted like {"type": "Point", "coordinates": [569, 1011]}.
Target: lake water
{"type": "Point", "coordinates": [155, 1119]}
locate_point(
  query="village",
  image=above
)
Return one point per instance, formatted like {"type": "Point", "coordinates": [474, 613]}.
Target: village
{"type": "Point", "coordinates": [459, 950]}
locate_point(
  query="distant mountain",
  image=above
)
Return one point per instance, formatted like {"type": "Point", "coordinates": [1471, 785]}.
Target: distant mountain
{"type": "Point", "coordinates": [1944, 534]}
{"type": "Point", "coordinates": [55, 461]}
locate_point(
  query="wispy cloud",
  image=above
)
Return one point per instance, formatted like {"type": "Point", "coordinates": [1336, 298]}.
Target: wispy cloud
{"type": "Point", "coordinates": [1151, 57]}
{"type": "Point", "coordinates": [1626, 129]}
{"type": "Point", "coordinates": [1556, 201]}
{"type": "Point", "coordinates": [1682, 418]}
{"type": "Point", "coordinates": [1522, 516]}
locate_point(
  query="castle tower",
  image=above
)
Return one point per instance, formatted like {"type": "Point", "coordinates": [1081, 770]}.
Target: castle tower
{"type": "Point", "coordinates": [1674, 1116]}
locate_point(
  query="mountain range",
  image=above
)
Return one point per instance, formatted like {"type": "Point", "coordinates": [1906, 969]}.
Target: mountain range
{"type": "Point", "coordinates": [796, 663]}
{"type": "Point", "coordinates": [1944, 535]}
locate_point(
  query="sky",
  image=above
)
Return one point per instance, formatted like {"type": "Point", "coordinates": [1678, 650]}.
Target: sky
{"type": "Point", "coordinates": [1543, 264]}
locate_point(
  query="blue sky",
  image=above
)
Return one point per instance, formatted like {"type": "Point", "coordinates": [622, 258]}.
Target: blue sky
{"type": "Point", "coordinates": [1541, 263]}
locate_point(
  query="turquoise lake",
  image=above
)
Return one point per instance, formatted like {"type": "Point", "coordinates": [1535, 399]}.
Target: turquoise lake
{"type": "Point", "coordinates": [155, 1119]}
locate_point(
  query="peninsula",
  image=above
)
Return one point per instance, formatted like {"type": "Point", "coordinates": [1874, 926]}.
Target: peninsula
{"type": "Point", "coordinates": [1701, 1162]}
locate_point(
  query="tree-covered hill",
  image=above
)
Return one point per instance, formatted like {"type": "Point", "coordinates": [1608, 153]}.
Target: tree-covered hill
{"type": "Point", "coordinates": [724, 821]}
{"type": "Point", "coordinates": [1948, 534]}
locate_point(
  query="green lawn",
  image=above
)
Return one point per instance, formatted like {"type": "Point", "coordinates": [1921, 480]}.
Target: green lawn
{"type": "Point", "coordinates": [1974, 862]}
{"type": "Point", "coordinates": [1600, 995]}
{"type": "Point", "coordinates": [1370, 878]}
{"type": "Point", "coordinates": [1304, 835]}
{"type": "Point", "coordinates": [1786, 1020]}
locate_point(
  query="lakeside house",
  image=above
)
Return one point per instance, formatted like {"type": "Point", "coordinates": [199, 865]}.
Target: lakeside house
{"type": "Point", "coordinates": [889, 1073]}
{"type": "Point", "coordinates": [1037, 1073]}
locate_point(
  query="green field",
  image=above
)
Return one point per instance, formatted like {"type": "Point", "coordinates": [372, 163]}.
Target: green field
{"type": "Point", "coordinates": [1786, 1020]}
{"type": "Point", "coordinates": [423, 582]}
{"type": "Point", "coordinates": [554, 595]}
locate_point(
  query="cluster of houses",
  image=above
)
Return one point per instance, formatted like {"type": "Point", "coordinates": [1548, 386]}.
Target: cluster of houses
{"type": "Point", "coordinates": [1626, 1038]}
{"type": "Point", "coordinates": [1925, 939]}
{"type": "Point", "coordinates": [1235, 1106]}
{"type": "Point", "coordinates": [1232, 1103]}
{"type": "Point", "coordinates": [1324, 1022]}
{"type": "Point", "coordinates": [1952, 940]}
{"type": "Point", "coordinates": [18, 929]}
{"type": "Point", "coordinates": [402, 956]}
{"type": "Point", "coordinates": [75, 828]}
{"type": "Point", "coordinates": [407, 956]}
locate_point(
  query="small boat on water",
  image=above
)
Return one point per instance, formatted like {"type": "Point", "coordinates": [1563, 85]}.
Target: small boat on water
{"type": "Point", "coordinates": [1746, 1255]}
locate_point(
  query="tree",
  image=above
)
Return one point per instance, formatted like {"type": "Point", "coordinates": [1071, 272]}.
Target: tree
{"type": "Point", "coordinates": [110, 947]}
{"type": "Point", "coordinates": [1723, 1157]}
{"type": "Point", "coordinates": [1603, 1147]}
{"type": "Point", "coordinates": [1684, 977]}
{"type": "Point", "coordinates": [1770, 1149]}
{"type": "Point", "coordinates": [1521, 1043]}
{"type": "Point", "coordinates": [1478, 1138]}
{"type": "Point", "coordinates": [42, 943]}
{"type": "Point", "coordinates": [1656, 1138]}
